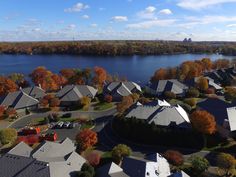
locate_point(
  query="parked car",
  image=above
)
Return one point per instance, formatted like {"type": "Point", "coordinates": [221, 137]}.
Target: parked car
{"type": "Point", "coordinates": [52, 125]}
{"type": "Point", "coordinates": [67, 115]}
{"type": "Point", "coordinates": [59, 125]}
{"type": "Point", "coordinates": [66, 124]}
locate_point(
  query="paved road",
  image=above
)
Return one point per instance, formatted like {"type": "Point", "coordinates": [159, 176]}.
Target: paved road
{"type": "Point", "coordinates": [93, 115]}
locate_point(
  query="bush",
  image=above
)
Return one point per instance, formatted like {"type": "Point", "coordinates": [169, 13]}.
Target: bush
{"type": "Point", "coordinates": [169, 95]}
{"type": "Point", "coordinates": [108, 98]}
{"type": "Point", "coordinates": [93, 158]}
{"type": "Point", "coordinates": [120, 151]}
{"type": "Point", "coordinates": [193, 93]}
{"type": "Point", "coordinates": [190, 101]}
{"type": "Point", "coordinates": [186, 107]}
{"type": "Point", "coordinates": [8, 135]}
{"type": "Point", "coordinates": [199, 164]}
{"type": "Point", "coordinates": [174, 157]}
{"type": "Point", "coordinates": [86, 171]}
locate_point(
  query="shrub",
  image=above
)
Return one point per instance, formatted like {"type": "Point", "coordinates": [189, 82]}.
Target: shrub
{"type": "Point", "coordinates": [93, 158]}
{"type": "Point", "coordinates": [87, 170]}
{"type": "Point", "coordinates": [120, 151]}
{"type": "Point", "coordinates": [174, 157]}
{"type": "Point", "coordinates": [108, 98]}
{"type": "Point", "coordinates": [199, 164]}
{"type": "Point", "coordinates": [8, 135]}
{"type": "Point", "coordinates": [169, 95]}
{"type": "Point", "coordinates": [226, 162]}
{"type": "Point", "coordinates": [86, 139]}
{"type": "Point", "coordinates": [191, 102]}
{"type": "Point", "coordinates": [193, 93]}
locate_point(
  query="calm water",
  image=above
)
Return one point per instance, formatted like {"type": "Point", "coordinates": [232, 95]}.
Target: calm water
{"type": "Point", "coordinates": [136, 68]}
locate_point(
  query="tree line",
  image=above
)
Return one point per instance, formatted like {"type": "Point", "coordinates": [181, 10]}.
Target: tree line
{"type": "Point", "coordinates": [115, 48]}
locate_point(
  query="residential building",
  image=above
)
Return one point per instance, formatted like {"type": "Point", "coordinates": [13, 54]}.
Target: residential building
{"type": "Point", "coordinates": [72, 94]}
{"type": "Point", "coordinates": [49, 159]}
{"type": "Point", "coordinates": [161, 113]}
{"type": "Point", "coordinates": [35, 92]}
{"type": "Point", "coordinates": [160, 87]}
{"type": "Point", "coordinates": [19, 100]}
{"type": "Point", "coordinates": [110, 170]}
{"type": "Point", "coordinates": [120, 89]}
{"type": "Point", "coordinates": [151, 166]}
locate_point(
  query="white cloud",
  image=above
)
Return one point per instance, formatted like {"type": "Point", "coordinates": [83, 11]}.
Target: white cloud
{"type": "Point", "coordinates": [71, 27]}
{"type": "Point", "coordinates": [201, 4]}
{"type": "Point", "coordinates": [148, 13]}
{"type": "Point", "coordinates": [165, 12]}
{"type": "Point", "coordinates": [119, 18]}
{"type": "Point", "coordinates": [231, 25]}
{"type": "Point", "coordinates": [94, 25]}
{"type": "Point", "coordinates": [85, 16]}
{"type": "Point", "coordinates": [77, 7]}
{"type": "Point", "coordinates": [36, 29]}
{"type": "Point", "coordinates": [151, 23]}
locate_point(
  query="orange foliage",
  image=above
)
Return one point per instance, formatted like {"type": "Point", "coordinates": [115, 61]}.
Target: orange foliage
{"type": "Point", "coordinates": [100, 76]}
{"type": "Point", "coordinates": [203, 121]}
{"type": "Point", "coordinates": [67, 73]}
{"type": "Point", "coordinates": [86, 139]}
{"type": "Point", "coordinates": [108, 98]}
{"type": "Point", "coordinates": [126, 102]}
{"type": "Point", "coordinates": [93, 158]}
{"type": "Point", "coordinates": [2, 110]}
{"type": "Point", "coordinates": [7, 85]}
{"type": "Point", "coordinates": [47, 79]}
{"type": "Point", "coordinates": [202, 83]}
{"type": "Point", "coordinates": [174, 157]}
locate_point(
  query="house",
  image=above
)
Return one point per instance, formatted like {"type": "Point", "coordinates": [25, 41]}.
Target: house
{"type": "Point", "coordinates": [71, 94]}
{"type": "Point", "coordinates": [49, 159]}
{"type": "Point", "coordinates": [147, 167]}
{"type": "Point", "coordinates": [160, 113]}
{"type": "Point", "coordinates": [110, 170]}
{"type": "Point", "coordinates": [231, 114]}
{"type": "Point", "coordinates": [211, 83]}
{"type": "Point", "coordinates": [19, 100]}
{"type": "Point", "coordinates": [35, 92]}
{"type": "Point", "coordinates": [120, 89]}
{"type": "Point", "coordinates": [160, 87]}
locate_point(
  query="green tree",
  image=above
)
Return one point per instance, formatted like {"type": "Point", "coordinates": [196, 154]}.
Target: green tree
{"type": "Point", "coordinates": [8, 135]}
{"type": "Point", "coordinates": [199, 164]}
{"type": "Point", "coordinates": [226, 162]}
{"type": "Point", "coordinates": [86, 171]}
{"type": "Point", "coordinates": [120, 151]}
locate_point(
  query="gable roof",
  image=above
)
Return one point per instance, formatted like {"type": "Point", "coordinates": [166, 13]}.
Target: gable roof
{"type": "Point", "coordinates": [179, 174]}
{"type": "Point", "coordinates": [110, 170]}
{"type": "Point", "coordinates": [122, 88]}
{"type": "Point", "coordinates": [172, 85]}
{"type": "Point", "coordinates": [35, 91]}
{"type": "Point", "coordinates": [160, 112]}
{"type": "Point", "coordinates": [217, 107]}
{"type": "Point", "coordinates": [76, 92]}
{"type": "Point", "coordinates": [137, 167]}
{"type": "Point", "coordinates": [231, 112]}
{"type": "Point", "coordinates": [21, 149]}
{"type": "Point", "coordinates": [13, 165]}
{"type": "Point", "coordinates": [18, 100]}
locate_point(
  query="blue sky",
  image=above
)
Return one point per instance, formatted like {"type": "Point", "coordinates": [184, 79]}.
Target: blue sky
{"type": "Point", "coordinates": [42, 20]}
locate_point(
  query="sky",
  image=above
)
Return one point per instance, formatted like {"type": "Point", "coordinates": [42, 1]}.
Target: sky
{"type": "Point", "coordinates": [49, 20]}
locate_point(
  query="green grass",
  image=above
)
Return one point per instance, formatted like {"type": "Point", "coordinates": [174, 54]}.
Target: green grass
{"type": "Point", "coordinates": [38, 121]}
{"type": "Point", "coordinates": [102, 106]}
{"type": "Point", "coordinates": [106, 154]}
{"type": "Point", "coordinates": [86, 126]}
{"type": "Point", "coordinates": [69, 119]}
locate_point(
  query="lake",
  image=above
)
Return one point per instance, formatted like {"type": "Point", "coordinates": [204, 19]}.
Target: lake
{"type": "Point", "coordinates": [135, 68]}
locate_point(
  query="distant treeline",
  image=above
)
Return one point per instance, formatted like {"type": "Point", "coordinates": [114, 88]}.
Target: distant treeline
{"type": "Point", "coordinates": [113, 48]}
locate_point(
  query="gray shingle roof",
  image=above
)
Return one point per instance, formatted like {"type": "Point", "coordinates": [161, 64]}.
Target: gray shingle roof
{"type": "Point", "coordinates": [48, 159]}
{"type": "Point", "coordinates": [76, 92]}
{"type": "Point", "coordinates": [18, 100]}
{"type": "Point", "coordinates": [172, 85]}
{"type": "Point", "coordinates": [160, 114]}
{"type": "Point", "coordinates": [21, 149]}
{"type": "Point", "coordinates": [35, 91]}
{"type": "Point", "coordinates": [122, 88]}
{"type": "Point", "coordinates": [110, 170]}
{"type": "Point", "coordinates": [19, 166]}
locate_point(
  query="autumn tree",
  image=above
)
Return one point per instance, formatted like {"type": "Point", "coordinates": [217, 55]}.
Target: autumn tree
{"type": "Point", "coordinates": [226, 162]}
{"type": "Point", "coordinates": [174, 157]}
{"type": "Point", "coordinates": [7, 85]}
{"type": "Point", "coordinates": [8, 135]}
{"type": "Point", "coordinates": [207, 63]}
{"type": "Point", "coordinates": [2, 112]}
{"type": "Point", "coordinates": [160, 74]}
{"type": "Point", "coordinates": [119, 152]}
{"type": "Point", "coordinates": [126, 102]}
{"type": "Point", "coordinates": [100, 76]}
{"type": "Point", "coordinates": [85, 102]}
{"type": "Point", "coordinates": [86, 139]}
{"type": "Point", "coordinates": [202, 83]}
{"type": "Point", "coordinates": [54, 102]}
{"type": "Point", "coordinates": [19, 79]}
{"type": "Point", "coordinates": [192, 93]}
{"type": "Point", "coordinates": [93, 158]}
{"type": "Point", "coordinates": [67, 73]}
{"type": "Point", "coordinates": [203, 122]}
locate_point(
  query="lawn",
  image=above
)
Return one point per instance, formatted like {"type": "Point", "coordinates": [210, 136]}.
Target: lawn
{"type": "Point", "coordinates": [102, 106]}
